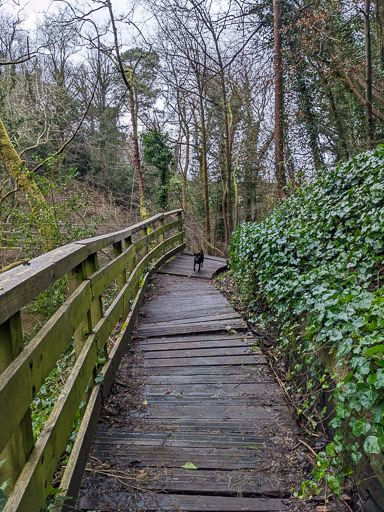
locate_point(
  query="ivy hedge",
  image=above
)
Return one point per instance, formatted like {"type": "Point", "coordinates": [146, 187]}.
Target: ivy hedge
{"type": "Point", "coordinates": [318, 261]}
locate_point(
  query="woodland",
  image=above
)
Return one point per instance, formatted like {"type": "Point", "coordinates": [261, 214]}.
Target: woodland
{"type": "Point", "coordinates": [264, 121]}
{"type": "Point", "coordinates": [157, 106]}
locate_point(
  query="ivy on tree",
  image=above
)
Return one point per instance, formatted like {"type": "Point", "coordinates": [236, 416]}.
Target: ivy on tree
{"type": "Point", "coordinates": [156, 152]}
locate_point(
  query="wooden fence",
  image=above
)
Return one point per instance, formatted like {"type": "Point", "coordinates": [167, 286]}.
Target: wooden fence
{"type": "Point", "coordinates": [85, 319]}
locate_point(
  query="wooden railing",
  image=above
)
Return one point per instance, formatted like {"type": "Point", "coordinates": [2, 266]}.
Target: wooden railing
{"type": "Point", "coordinates": [86, 319]}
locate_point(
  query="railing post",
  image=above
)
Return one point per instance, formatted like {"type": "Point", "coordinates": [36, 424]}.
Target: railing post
{"type": "Point", "coordinates": [144, 232]}
{"type": "Point", "coordinates": [180, 219]}
{"type": "Point", "coordinates": [161, 236]}
{"type": "Point", "coordinates": [122, 278]}
{"type": "Point", "coordinates": [77, 276]}
{"type": "Point", "coordinates": [131, 267]}
{"type": "Point", "coordinates": [20, 444]}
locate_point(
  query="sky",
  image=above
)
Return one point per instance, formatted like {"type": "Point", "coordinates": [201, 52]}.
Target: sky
{"type": "Point", "coordinates": [34, 9]}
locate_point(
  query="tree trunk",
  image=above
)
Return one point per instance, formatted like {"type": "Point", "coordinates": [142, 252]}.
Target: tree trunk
{"type": "Point", "coordinates": [379, 11]}
{"type": "Point", "coordinates": [186, 167]}
{"type": "Point", "coordinates": [133, 111]}
{"type": "Point", "coordinates": [204, 167]}
{"type": "Point", "coordinates": [368, 64]}
{"type": "Point", "coordinates": [279, 131]}
{"type": "Point", "coordinates": [16, 168]}
{"type": "Point", "coordinates": [136, 154]}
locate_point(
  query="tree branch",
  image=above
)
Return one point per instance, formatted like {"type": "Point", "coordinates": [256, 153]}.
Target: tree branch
{"type": "Point", "coordinates": [61, 149]}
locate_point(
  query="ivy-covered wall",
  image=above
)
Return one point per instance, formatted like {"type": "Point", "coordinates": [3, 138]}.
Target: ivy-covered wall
{"type": "Point", "coordinates": [319, 257]}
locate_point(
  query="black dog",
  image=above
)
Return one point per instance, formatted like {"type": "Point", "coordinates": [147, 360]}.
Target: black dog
{"type": "Point", "coordinates": [198, 260]}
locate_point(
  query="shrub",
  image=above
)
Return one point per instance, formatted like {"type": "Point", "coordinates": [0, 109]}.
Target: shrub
{"type": "Point", "coordinates": [319, 257]}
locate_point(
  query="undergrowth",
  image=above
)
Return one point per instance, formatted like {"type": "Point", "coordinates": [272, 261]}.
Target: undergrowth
{"type": "Point", "coordinates": [318, 262]}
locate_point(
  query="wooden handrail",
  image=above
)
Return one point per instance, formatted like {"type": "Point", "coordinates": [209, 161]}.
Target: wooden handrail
{"type": "Point", "coordinates": [83, 318]}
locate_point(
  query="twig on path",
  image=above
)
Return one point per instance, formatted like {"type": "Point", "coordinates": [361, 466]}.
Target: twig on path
{"type": "Point", "coordinates": [309, 448]}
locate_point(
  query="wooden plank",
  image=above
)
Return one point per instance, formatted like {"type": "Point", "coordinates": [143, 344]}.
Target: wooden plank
{"type": "Point", "coordinates": [21, 284]}
{"type": "Point", "coordinates": [100, 242]}
{"type": "Point", "coordinates": [224, 483]}
{"type": "Point", "coordinates": [171, 330]}
{"type": "Point", "coordinates": [209, 315]}
{"type": "Point", "coordinates": [174, 347]}
{"type": "Point", "coordinates": [280, 426]}
{"type": "Point", "coordinates": [201, 352]}
{"type": "Point", "coordinates": [191, 390]}
{"type": "Point", "coordinates": [226, 318]}
{"type": "Point", "coordinates": [196, 503]}
{"type": "Point", "coordinates": [262, 374]}
{"type": "Point", "coordinates": [204, 361]}
{"type": "Point", "coordinates": [213, 411]}
{"type": "Point", "coordinates": [198, 338]}
{"type": "Point", "coordinates": [152, 314]}
{"type": "Point", "coordinates": [228, 371]}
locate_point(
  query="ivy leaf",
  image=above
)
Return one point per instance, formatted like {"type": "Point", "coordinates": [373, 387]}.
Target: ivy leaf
{"type": "Point", "coordinates": [377, 349]}
{"type": "Point", "coordinates": [380, 378]}
{"type": "Point", "coordinates": [361, 427]}
{"type": "Point", "coordinates": [356, 456]}
{"type": "Point", "coordinates": [378, 412]}
{"type": "Point", "coordinates": [371, 445]}
{"type": "Point", "coordinates": [366, 395]}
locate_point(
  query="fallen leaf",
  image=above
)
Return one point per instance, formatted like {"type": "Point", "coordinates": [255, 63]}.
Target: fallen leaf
{"type": "Point", "coordinates": [167, 392]}
{"type": "Point", "coordinates": [188, 465]}
{"type": "Point", "coordinates": [145, 402]}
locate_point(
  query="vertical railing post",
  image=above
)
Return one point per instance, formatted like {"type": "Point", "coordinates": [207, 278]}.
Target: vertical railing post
{"type": "Point", "coordinates": [180, 219]}
{"type": "Point", "coordinates": [122, 278]}
{"type": "Point", "coordinates": [77, 276]}
{"type": "Point", "coordinates": [144, 232]}
{"type": "Point", "coordinates": [20, 444]}
{"type": "Point", "coordinates": [161, 237]}
{"type": "Point", "coordinates": [131, 266]}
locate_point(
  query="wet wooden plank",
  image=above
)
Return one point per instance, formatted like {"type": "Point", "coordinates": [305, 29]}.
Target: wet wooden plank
{"type": "Point", "coordinates": [175, 502]}
{"type": "Point", "coordinates": [226, 317]}
{"type": "Point", "coordinates": [196, 327]}
{"type": "Point", "coordinates": [174, 347]}
{"type": "Point", "coordinates": [261, 375]}
{"type": "Point", "coordinates": [201, 352]}
{"type": "Point", "coordinates": [277, 426]}
{"type": "Point", "coordinates": [229, 371]}
{"type": "Point", "coordinates": [200, 338]}
{"type": "Point", "coordinates": [224, 482]}
{"type": "Point", "coordinates": [192, 390]}
{"type": "Point", "coordinates": [203, 361]}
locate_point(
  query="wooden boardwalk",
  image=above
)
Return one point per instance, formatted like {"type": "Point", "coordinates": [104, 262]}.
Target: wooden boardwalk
{"type": "Point", "coordinates": [193, 390]}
